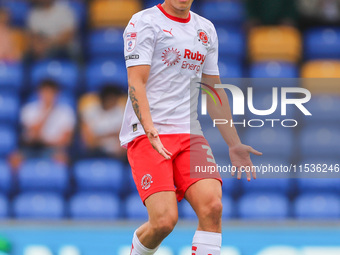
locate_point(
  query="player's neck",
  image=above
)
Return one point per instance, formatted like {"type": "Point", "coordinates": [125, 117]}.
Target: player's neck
{"type": "Point", "coordinates": [183, 14]}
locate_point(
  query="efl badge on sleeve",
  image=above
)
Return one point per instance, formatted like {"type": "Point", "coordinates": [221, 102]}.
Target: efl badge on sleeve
{"type": "Point", "coordinates": [131, 40]}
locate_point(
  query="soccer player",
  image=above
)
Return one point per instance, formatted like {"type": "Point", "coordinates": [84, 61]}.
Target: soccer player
{"type": "Point", "coordinates": [165, 47]}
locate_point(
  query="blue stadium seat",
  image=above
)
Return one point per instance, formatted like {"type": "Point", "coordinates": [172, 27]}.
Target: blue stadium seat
{"type": "Point", "coordinates": [267, 185]}
{"type": "Point", "coordinates": [272, 174]}
{"type": "Point", "coordinates": [130, 183]}
{"type": "Point", "coordinates": [105, 43]}
{"type": "Point", "coordinates": [230, 185]}
{"type": "Point", "coordinates": [5, 177]}
{"type": "Point", "coordinates": [230, 69]}
{"type": "Point", "coordinates": [134, 208]}
{"type": "Point", "coordinates": [263, 206]}
{"type": "Point", "coordinates": [278, 142]}
{"type": "Point", "coordinates": [223, 12]}
{"type": "Point", "coordinates": [43, 174]}
{"type": "Point", "coordinates": [33, 205]}
{"type": "Point", "coordinates": [18, 11]}
{"type": "Point", "coordinates": [273, 69]}
{"type": "Point", "coordinates": [317, 206]}
{"type": "Point", "coordinates": [277, 182]}
{"type": "Point", "coordinates": [217, 144]}
{"type": "Point", "coordinates": [80, 11]}
{"type": "Point", "coordinates": [4, 207]}
{"type": "Point", "coordinates": [100, 73]}
{"type": "Point", "coordinates": [320, 141]}
{"type": "Point", "coordinates": [322, 43]}
{"type": "Point", "coordinates": [187, 212]}
{"type": "Point", "coordinates": [9, 107]}
{"type": "Point", "coordinates": [318, 184]}
{"type": "Point", "coordinates": [228, 207]}
{"type": "Point", "coordinates": [322, 181]}
{"type": "Point", "coordinates": [8, 138]}
{"type": "Point", "coordinates": [151, 3]}
{"type": "Point", "coordinates": [11, 76]}
{"type": "Point", "coordinates": [264, 100]}
{"type": "Point", "coordinates": [64, 72]}
{"type": "Point", "coordinates": [231, 44]}
{"type": "Point", "coordinates": [95, 206]}
{"type": "Point", "coordinates": [205, 121]}
{"type": "Point", "coordinates": [325, 108]}
{"type": "Point", "coordinates": [99, 174]}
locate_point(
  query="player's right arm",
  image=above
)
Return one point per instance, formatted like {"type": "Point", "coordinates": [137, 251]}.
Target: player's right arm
{"type": "Point", "coordinates": [139, 41]}
{"type": "Point", "coordinates": [137, 78]}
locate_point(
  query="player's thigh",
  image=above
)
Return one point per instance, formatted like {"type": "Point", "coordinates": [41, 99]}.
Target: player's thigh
{"type": "Point", "coordinates": [151, 172]}
{"type": "Point", "coordinates": [196, 154]}
{"type": "Point", "coordinates": [162, 209]}
{"type": "Point", "coordinates": [205, 195]}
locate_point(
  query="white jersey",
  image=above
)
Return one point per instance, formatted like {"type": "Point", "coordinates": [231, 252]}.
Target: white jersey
{"type": "Point", "coordinates": [177, 50]}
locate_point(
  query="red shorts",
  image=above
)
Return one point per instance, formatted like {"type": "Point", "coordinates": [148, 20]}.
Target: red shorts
{"type": "Point", "coordinates": [152, 173]}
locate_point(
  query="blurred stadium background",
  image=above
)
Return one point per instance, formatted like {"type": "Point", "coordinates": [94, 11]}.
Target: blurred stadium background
{"type": "Point", "coordinates": [74, 194]}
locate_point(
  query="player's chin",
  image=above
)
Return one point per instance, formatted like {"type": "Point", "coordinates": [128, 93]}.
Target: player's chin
{"type": "Point", "coordinates": [184, 4]}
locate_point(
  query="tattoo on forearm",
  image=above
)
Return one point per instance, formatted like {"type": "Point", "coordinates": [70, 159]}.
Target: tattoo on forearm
{"type": "Point", "coordinates": [135, 104]}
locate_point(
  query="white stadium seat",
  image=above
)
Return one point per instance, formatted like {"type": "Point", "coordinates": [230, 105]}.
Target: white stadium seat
{"type": "Point", "coordinates": [185, 251]}
{"type": "Point", "coordinates": [279, 250]}
{"type": "Point", "coordinates": [37, 250]}
{"type": "Point", "coordinates": [69, 250]}
{"type": "Point", "coordinates": [125, 250]}
{"type": "Point", "coordinates": [225, 250]}
{"type": "Point", "coordinates": [320, 250]}
{"type": "Point", "coordinates": [164, 250]}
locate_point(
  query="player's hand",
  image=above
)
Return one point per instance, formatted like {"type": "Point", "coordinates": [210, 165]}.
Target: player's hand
{"type": "Point", "coordinates": [240, 158]}
{"type": "Point", "coordinates": [156, 143]}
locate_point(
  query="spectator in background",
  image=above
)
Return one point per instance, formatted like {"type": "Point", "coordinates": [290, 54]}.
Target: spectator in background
{"type": "Point", "coordinates": [101, 118]}
{"type": "Point", "coordinates": [8, 52]}
{"type": "Point", "coordinates": [47, 126]}
{"type": "Point", "coordinates": [319, 13]}
{"type": "Point", "coordinates": [271, 12]}
{"type": "Point", "coordinates": [51, 28]}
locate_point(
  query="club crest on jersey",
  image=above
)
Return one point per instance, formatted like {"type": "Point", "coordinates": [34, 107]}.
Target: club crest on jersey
{"type": "Point", "coordinates": [131, 40]}
{"type": "Point", "coordinates": [171, 56]}
{"type": "Point", "coordinates": [203, 37]}
{"type": "Point", "coordinates": [146, 181]}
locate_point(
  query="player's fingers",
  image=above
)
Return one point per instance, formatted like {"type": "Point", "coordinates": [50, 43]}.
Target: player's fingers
{"type": "Point", "coordinates": [160, 149]}
{"type": "Point", "coordinates": [239, 173]}
{"type": "Point", "coordinates": [255, 152]}
{"type": "Point", "coordinates": [162, 152]}
{"type": "Point", "coordinates": [253, 171]}
{"type": "Point", "coordinates": [233, 170]}
{"type": "Point", "coordinates": [167, 152]}
{"type": "Point", "coordinates": [248, 173]}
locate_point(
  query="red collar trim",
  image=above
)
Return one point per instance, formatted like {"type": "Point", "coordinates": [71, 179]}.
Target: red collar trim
{"type": "Point", "coordinates": [173, 17]}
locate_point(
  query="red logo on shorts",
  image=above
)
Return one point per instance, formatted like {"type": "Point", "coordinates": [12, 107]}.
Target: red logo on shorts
{"type": "Point", "coordinates": [203, 37]}
{"type": "Point", "coordinates": [146, 181]}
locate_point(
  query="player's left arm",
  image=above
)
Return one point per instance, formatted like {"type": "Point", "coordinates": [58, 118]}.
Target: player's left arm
{"type": "Point", "coordinates": [238, 152]}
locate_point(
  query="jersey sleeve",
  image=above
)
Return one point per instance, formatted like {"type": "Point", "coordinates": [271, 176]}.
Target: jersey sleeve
{"type": "Point", "coordinates": [210, 66]}
{"type": "Point", "coordinates": [139, 41]}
